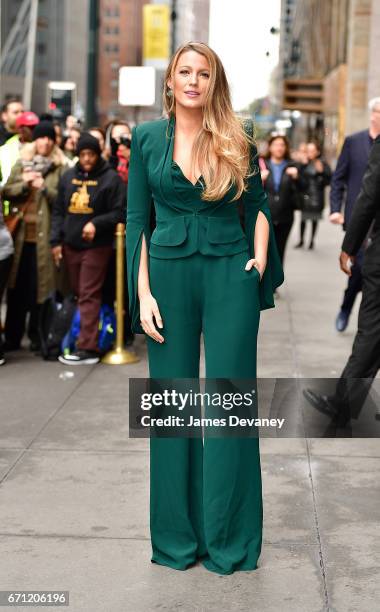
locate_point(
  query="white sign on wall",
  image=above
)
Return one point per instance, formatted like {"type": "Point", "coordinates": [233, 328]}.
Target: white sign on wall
{"type": "Point", "coordinates": [137, 86]}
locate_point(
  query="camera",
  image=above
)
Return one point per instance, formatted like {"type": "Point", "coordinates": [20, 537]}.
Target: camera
{"type": "Point", "coordinates": [125, 140]}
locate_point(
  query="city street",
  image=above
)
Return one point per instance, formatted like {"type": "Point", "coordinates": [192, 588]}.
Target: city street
{"type": "Point", "coordinates": [74, 490]}
{"type": "Point", "coordinates": [127, 114]}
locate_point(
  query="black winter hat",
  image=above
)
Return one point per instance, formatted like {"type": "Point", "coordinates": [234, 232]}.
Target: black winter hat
{"type": "Point", "coordinates": [44, 128]}
{"type": "Point", "coordinates": [87, 141]}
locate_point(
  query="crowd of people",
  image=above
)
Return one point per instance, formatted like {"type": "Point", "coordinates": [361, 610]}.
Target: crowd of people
{"type": "Point", "coordinates": [294, 180]}
{"type": "Point", "coordinates": [63, 191]}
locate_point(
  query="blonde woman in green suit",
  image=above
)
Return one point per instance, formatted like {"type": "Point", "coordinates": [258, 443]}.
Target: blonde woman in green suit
{"type": "Point", "coordinates": [199, 272]}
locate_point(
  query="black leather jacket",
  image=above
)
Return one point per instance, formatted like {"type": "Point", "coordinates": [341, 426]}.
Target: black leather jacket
{"type": "Point", "coordinates": [283, 202]}
{"type": "Point", "coordinates": [314, 196]}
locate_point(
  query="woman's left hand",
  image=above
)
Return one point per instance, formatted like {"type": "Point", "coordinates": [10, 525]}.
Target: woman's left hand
{"type": "Point", "coordinates": [292, 171]}
{"type": "Point", "coordinates": [255, 263]}
{"type": "Point", "coordinates": [38, 181]}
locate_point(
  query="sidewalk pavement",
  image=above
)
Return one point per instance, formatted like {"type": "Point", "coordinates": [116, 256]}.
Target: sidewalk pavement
{"type": "Point", "coordinates": [75, 489]}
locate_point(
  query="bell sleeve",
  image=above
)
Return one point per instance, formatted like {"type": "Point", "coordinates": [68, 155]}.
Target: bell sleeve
{"type": "Point", "coordinates": [255, 199]}
{"type": "Point", "coordinates": [139, 203]}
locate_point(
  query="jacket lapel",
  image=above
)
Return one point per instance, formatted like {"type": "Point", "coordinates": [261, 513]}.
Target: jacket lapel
{"type": "Point", "coordinates": [166, 183]}
{"type": "Point", "coordinates": [366, 144]}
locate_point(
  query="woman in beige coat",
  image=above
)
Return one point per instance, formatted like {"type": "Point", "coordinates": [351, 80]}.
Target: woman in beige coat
{"type": "Point", "coordinates": [32, 188]}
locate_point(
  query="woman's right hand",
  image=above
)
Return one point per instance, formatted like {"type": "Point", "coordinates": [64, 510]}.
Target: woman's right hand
{"type": "Point", "coordinates": [148, 310]}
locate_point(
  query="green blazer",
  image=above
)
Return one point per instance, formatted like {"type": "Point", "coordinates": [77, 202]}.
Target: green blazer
{"type": "Point", "coordinates": [184, 227]}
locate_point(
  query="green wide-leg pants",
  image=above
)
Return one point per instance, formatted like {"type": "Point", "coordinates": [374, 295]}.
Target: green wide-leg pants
{"type": "Point", "coordinates": [205, 497]}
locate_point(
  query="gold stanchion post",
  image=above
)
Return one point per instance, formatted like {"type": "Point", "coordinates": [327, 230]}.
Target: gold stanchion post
{"type": "Point", "coordinates": [119, 355]}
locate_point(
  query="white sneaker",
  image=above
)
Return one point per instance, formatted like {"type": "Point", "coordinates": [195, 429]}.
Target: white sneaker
{"type": "Point", "coordinates": [80, 357]}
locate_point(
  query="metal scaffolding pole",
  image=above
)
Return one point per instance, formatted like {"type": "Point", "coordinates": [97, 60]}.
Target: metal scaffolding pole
{"type": "Point", "coordinates": [30, 53]}
{"type": "Point", "coordinates": [91, 110]}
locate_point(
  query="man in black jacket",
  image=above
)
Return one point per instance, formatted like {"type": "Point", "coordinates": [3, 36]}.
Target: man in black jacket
{"type": "Point", "coordinates": [364, 362]}
{"type": "Point", "coordinates": [91, 201]}
{"type": "Point", "coordinates": [345, 186]}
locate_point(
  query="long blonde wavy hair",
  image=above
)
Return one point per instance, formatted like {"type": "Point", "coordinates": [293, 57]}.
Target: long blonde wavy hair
{"type": "Point", "coordinates": [222, 136]}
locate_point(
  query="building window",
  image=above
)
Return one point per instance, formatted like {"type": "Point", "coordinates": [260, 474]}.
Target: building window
{"type": "Point", "coordinates": [112, 11]}
{"type": "Point", "coordinates": [42, 23]}
{"type": "Point", "coordinates": [41, 48]}
{"type": "Point", "coordinates": [111, 48]}
{"type": "Point", "coordinates": [111, 30]}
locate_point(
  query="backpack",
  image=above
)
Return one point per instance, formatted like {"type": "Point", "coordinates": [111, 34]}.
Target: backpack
{"type": "Point", "coordinates": [54, 320]}
{"type": "Point", "coordinates": [106, 336]}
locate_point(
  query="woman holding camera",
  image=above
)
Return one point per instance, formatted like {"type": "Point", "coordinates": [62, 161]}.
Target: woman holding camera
{"type": "Point", "coordinates": [32, 188]}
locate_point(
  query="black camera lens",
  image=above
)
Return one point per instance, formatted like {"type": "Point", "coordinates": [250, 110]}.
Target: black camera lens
{"type": "Point", "coordinates": [126, 141]}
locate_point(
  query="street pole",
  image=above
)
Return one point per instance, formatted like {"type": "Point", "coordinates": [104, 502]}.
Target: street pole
{"type": "Point", "coordinates": [173, 21]}
{"type": "Point", "coordinates": [30, 53]}
{"type": "Point", "coordinates": [91, 114]}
